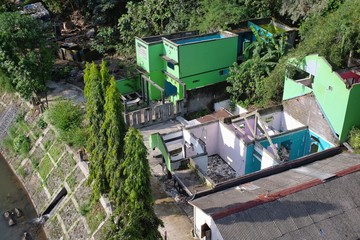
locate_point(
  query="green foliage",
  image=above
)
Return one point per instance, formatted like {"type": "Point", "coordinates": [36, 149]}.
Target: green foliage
{"type": "Point", "coordinates": [300, 10]}
{"type": "Point", "coordinates": [41, 123]}
{"type": "Point", "coordinates": [26, 55]}
{"type": "Point", "coordinates": [332, 36]}
{"type": "Point", "coordinates": [65, 115]}
{"type": "Point", "coordinates": [152, 17]}
{"type": "Point", "coordinates": [355, 139]}
{"type": "Point", "coordinates": [247, 85]}
{"type": "Point", "coordinates": [105, 40]}
{"type": "Point", "coordinates": [85, 208]}
{"type": "Point", "coordinates": [134, 203]}
{"type": "Point", "coordinates": [114, 127]}
{"type": "Point", "coordinates": [213, 15]}
{"type": "Point", "coordinates": [96, 84]}
{"type": "Point", "coordinates": [45, 167]}
{"type": "Point", "coordinates": [22, 172]}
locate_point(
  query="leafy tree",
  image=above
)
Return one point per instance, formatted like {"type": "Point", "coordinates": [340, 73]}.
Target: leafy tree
{"type": "Point", "coordinates": [299, 10]}
{"type": "Point", "coordinates": [96, 83]}
{"type": "Point", "coordinates": [26, 55]}
{"type": "Point", "coordinates": [213, 15]}
{"type": "Point", "coordinates": [152, 17]}
{"type": "Point", "coordinates": [247, 79]}
{"type": "Point", "coordinates": [137, 219]}
{"type": "Point", "coordinates": [332, 36]}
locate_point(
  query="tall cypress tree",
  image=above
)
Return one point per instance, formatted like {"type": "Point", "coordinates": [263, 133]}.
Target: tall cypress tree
{"type": "Point", "coordinates": [137, 219]}
{"type": "Point", "coordinates": [115, 129]}
{"type": "Point", "coordinates": [96, 84]}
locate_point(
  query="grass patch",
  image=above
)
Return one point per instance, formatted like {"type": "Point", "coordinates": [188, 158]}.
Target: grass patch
{"type": "Point", "coordinates": [45, 167]}
{"type": "Point", "coordinates": [22, 172]}
{"type": "Point", "coordinates": [56, 150]}
{"type": "Point", "coordinates": [71, 181]}
{"type": "Point", "coordinates": [95, 216]}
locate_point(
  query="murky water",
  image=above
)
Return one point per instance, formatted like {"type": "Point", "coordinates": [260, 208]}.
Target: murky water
{"type": "Point", "coordinates": [13, 195]}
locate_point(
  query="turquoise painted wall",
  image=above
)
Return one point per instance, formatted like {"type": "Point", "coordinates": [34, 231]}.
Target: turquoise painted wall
{"type": "Point", "coordinates": [321, 143]}
{"type": "Point", "coordinates": [298, 142]}
{"type": "Point", "coordinates": [293, 89]}
{"type": "Point", "coordinates": [252, 164]}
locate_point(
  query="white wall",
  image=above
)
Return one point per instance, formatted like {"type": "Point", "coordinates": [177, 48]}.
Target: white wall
{"type": "Point", "coordinates": [226, 105]}
{"type": "Point", "coordinates": [209, 134]}
{"type": "Point", "coordinates": [289, 123]}
{"type": "Point", "coordinates": [202, 163]}
{"type": "Point", "coordinates": [201, 218]}
{"type": "Point", "coordinates": [231, 149]}
{"type": "Point", "coordinates": [267, 160]}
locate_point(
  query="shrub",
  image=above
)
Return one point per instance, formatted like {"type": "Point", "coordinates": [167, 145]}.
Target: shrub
{"type": "Point", "coordinates": [65, 116]}
{"type": "Point", "coordinates": [355, 139]}
{"type": "Point", "coordinates": [41, 123]}
{"type": "Point", "coordinates": [21, 144]}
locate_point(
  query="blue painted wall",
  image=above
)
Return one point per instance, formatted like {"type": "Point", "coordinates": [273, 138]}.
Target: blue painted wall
{"type": "Point", "coordinates": [313, 138]}
{"type": "Point", "coordinates": [300, 145]}
{"type": "Point", "coordinates": [251, 164]}
{"type": "Point", "coordinates": [298, 141]}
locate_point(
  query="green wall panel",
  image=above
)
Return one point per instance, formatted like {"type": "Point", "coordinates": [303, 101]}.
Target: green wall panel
{"type": "Point", "coordinates": [207, 56]}
{"type": "Point", "coordinates": [293, 89]}
{"type": "Point", "coordinates": [205, 79]}
{"type": "Point", "coordinates": [353, 112]}
{"type": "Point", "coordinates": [142, 54]}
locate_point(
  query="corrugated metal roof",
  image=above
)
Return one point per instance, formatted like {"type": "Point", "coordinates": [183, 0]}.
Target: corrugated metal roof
{"type": "Point", "coordinates": [326, 211]}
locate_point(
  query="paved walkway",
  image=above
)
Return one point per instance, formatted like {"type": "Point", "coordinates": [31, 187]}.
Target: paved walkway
{"type": "Point", "coordinates": [176, 223]}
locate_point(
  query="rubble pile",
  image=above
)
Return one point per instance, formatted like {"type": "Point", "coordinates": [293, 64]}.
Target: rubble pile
{"type": "Point", "coordinates": [218, 170]}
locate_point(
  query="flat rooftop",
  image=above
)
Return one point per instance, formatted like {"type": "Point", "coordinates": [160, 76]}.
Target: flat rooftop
{"type": "Point", "coordinates": [202, 38]}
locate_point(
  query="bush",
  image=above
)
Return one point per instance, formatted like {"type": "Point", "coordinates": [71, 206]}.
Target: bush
{"type": "Point", "coordinates": [21, 144]}
{"type": "Point", "coordinates": [65, 116]}
{"type": "Point", "coordinates": [355, 139]}
{"type": "Point", "coordinates": [41, 123]}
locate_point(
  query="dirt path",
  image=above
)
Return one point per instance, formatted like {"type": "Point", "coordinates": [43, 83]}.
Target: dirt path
{"type": "Point", "coordinates": [176, 223]}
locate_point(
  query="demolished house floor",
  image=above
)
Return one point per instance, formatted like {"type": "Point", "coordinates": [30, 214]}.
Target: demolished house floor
{"type": "Point", "coordinates": [218, 170]}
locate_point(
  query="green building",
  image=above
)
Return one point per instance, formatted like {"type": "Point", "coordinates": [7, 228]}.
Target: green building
{"type": "Point", "coordinates": [337, 92]}
{"type": "Point", "coordinates": [191, 68]}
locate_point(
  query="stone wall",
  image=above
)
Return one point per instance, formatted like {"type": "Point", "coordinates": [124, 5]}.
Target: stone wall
{"type": "Point", "coordinates": [49, 167]}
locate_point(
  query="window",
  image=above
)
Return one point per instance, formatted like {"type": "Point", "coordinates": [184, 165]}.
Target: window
{"type": "Point", "coordinates": [170, 65]}
{"type": "Point", "coordinates": [224, 72]}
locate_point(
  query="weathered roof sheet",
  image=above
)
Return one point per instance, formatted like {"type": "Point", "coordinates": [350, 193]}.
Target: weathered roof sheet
{"type": "Point", "coordinates": [325, 211]}
{"type": "Point", "coordinates": [295, 204]}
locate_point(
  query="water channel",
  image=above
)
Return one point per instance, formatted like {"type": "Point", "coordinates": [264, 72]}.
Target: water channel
{"type": "Point", "coordinates": [13, 195]}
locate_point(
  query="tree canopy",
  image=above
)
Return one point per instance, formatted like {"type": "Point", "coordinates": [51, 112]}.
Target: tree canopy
{"type": "Point", "coordinates": [26, 55]}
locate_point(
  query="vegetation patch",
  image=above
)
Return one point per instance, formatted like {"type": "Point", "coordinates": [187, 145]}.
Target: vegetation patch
{"type": "Point", "coordinates": [56, 150]}
{"type": "Point", "coordinates": [355, 139]}
{"type": "Point", "coordinates": [45, 167]}
{"type": "Point", "coordinates": [95, 216]}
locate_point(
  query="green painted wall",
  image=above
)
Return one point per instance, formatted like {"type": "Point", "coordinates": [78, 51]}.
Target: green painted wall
{"type": "Point", "coordinates": [207, 56]}
{"type": "Point", "coordinates": [339, 104]}
{"type": "Point", "coordinates": [352, 114]}
{"type": "Point", "coordinates": [155, 141]}
{"type": "Point", "coordinates": [126, 86]}
{"type": "Point", "coordinates": [293, 89]}
{"type": "Point", "coordinates": [330, 92]}
{"type": "Point", "coordinates": [142, 54]}
{"type": "Point", "coordinates": [205, 79]}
